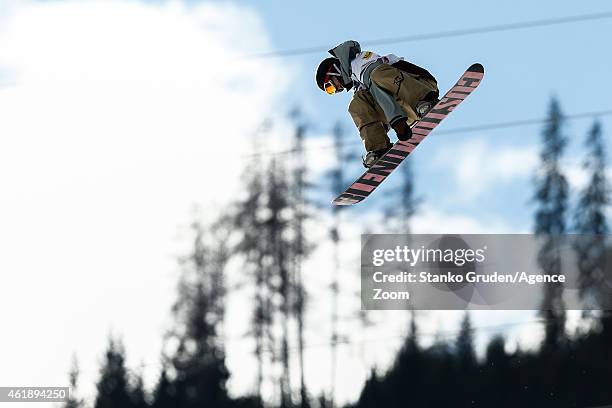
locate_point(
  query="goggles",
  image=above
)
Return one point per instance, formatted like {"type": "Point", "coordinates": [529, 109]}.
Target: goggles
{"type": "Point", "coordinates": [329, 87]}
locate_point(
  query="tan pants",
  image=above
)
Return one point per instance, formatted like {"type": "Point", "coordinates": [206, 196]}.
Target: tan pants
{"type": "Point", "coordinates": [407, 89]}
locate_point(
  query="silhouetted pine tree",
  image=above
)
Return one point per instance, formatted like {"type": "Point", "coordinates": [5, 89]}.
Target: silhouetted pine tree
{"type": "Point", "coordinates": [113, 390]}
{"type": "Point", "coordinates": [249, 224]}
{"type": "Point", "coordinates": [401, 206]}
{"type": "Point", "coordinates": [337, 186]}
{"type": "Point", "coordinates": [300, 247]}
{"type": "Point", "coordinates": [590, 218]}
{"type": "Point", "coordinates": [465, 356]}
{"type": "Point", "coordinates": [138, 394]}
{"type": "Point", "coordinates": [73, 376]}
{"type": "Point", "coordinates": [198, 360]}
{"type": "Point", "coordinates": [464, 347]}
{"type": "Point", "coordinates": [164, 393]}
{"type": "Point", "coordinates": [374, 393]}
{"type": "Point", "coordinates": [323, 401]}
{"type": "Point", "coordinates": [278, 251]}
{"type": "Point", "coordinates": [498, 381]}
{"type": "Point", "coordinates": [270, 221]}
{"type": "Point", "coordinates": [406, 379]}
{"type": "Point", "coordinates": [441, 368]}
{"type": "Point", "coordinates": [551, 196]}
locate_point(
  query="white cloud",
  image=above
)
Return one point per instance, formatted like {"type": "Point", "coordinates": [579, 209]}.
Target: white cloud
{"type": "Point", "coordinates": [432, 221]}
{"type": "Point", "coordinates": [477, 165]}
{"type": "Point", "coordinates": [117, 118]}
{"type": "Point", "coordinates": [320, 156]}
{"type": "Point", "coordinates": [577, 176]}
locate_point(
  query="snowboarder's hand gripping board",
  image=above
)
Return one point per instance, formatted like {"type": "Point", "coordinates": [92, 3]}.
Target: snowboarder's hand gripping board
{"type": "Point", "coordinates": [380, 170]}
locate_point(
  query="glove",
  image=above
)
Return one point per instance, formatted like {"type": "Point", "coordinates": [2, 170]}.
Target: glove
{"type": "Point", "coordinates": [402, 129]}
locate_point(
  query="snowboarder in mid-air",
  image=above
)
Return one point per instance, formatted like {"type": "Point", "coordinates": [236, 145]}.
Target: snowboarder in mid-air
{"type": "Point", "coordinates": [388, 91]}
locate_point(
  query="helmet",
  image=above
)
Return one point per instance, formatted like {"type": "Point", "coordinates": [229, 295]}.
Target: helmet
{"type": "Point", "coordinates": [329, 66]}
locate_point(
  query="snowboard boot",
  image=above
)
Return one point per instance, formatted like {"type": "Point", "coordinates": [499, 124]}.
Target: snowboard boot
{"type": "Point", "coordinates": [371, 157]}
{"type": "Point", "coordinates": [424, 106]}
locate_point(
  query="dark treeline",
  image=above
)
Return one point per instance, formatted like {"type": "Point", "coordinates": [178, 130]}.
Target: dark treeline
{"type": "Point", "coordinates": [576, 373]}
{"type": "Point", "coordinates": [266, 232]}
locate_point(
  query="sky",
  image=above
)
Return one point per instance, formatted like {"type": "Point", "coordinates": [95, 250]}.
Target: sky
{"type": "Point", "coordinates": [113, 113]}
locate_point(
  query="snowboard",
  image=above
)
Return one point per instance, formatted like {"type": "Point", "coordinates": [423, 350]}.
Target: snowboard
{"type": "Point", "coordinates": [383, 167]}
